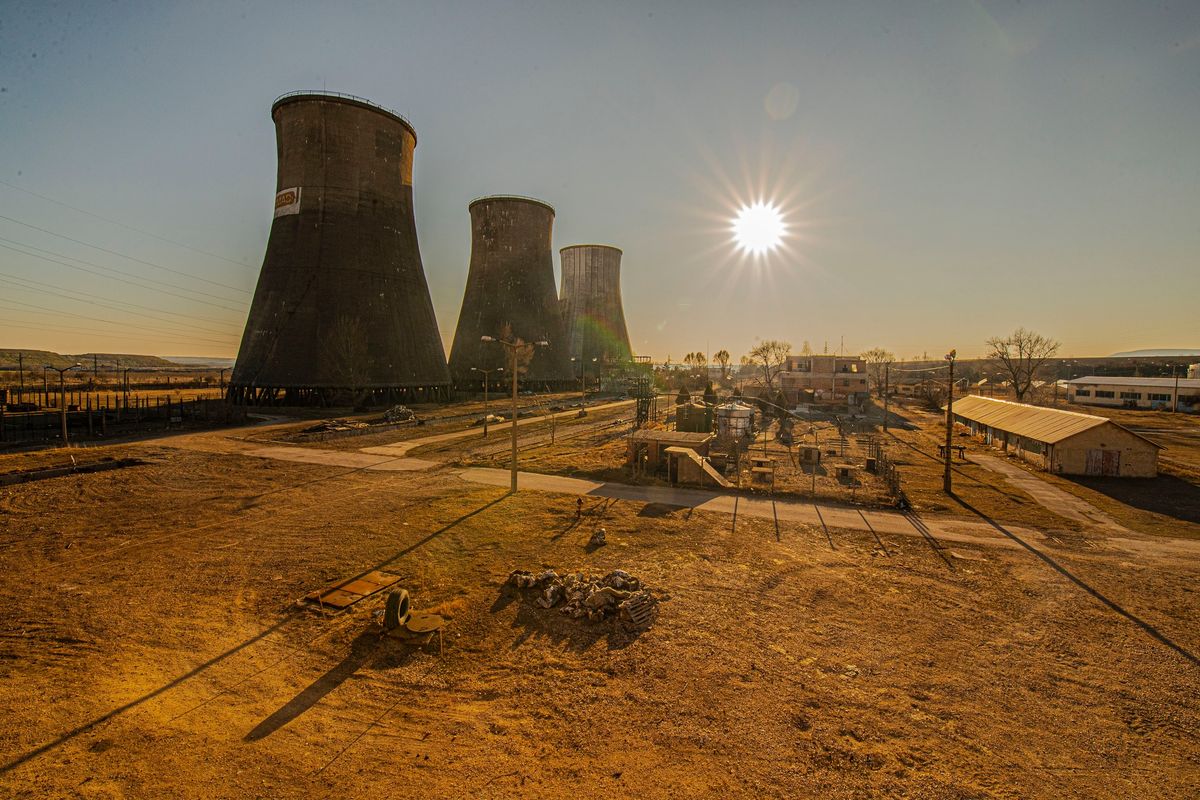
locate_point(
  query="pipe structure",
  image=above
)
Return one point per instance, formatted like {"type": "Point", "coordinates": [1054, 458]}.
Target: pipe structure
{"type": "Point", "coordinates": [592, 311]}
{"type": "Point", "coordinates": [510, 292]}
{"type": "Point", "coordinates": [342, 307]}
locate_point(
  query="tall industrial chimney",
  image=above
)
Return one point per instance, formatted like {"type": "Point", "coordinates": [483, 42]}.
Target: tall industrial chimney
{"type": "Point", "coordinates": [510, 285]}
{"type": "Point", "coordinates": [591, 306]}
{"type": "Point", "coordinates": [342, 306]}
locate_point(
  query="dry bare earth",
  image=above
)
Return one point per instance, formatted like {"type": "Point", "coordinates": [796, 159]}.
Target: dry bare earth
{"type": "Point", "coordinates": [150, 647]}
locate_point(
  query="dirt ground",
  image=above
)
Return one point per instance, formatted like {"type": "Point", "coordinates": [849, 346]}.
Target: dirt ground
{"type": "Point", "coordinates": [151, 645]}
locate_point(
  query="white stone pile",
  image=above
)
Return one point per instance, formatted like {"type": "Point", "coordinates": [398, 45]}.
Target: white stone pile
{"type": "Point", "coordinates": [616, 594]}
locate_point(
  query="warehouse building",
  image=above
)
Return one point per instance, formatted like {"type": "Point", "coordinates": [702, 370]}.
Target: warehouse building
{"type": "Point", "coordinates": [1168, 394]}
{"type": "Point", "coordinates": [1062, 442]}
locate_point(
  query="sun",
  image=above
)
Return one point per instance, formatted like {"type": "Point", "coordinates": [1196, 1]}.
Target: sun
{"type": "Point", "coordinates": [758, 228]}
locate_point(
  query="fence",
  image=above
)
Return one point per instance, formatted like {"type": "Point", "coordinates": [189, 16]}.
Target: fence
{"type": "Point", "coordinates": [117, 415]}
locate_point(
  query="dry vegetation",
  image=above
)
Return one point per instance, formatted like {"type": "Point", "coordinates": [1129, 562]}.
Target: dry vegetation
{"type": "Point", "coordinates": [150, 646]}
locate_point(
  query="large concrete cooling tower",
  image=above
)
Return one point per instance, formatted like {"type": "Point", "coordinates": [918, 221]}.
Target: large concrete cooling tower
{"type": "Point", "coordinates": [591, 306]}
{"type": "Point", "coordinates": [342, 306]}
{"type": "Point", "coordinates": [510, 284]}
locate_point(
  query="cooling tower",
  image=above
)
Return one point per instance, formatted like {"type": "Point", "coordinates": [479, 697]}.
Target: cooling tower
{"type": "Point", "coordinates": [342, 305]}
{"type": "Point", "coordinates": [591, 305]}
{"type": "Point", "coordinates": [510, 283]}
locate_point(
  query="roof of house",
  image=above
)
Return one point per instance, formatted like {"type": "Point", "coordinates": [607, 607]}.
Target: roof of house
{"type": "Point", "coordinates": [1049, 425]}
{"type": "Point", "coordinates": [670, 436]}
{"type": "Point", "coordinates": [1156, 383]}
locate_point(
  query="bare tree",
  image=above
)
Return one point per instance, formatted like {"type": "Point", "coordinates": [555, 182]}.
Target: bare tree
{"type": "Point", "coordinates": [1020, 355]}
{"type": "Point", "coordinates": [346, 352]}
{"type": "Point", "coordinates": [524, 350]}
{"type": "Point", "coordinates": [770, 357]}
{"type": "Point", "coordinates": [806, 349]}
{"type": "Point", "coordinates": [721, 357]}
{"type": "Point", "coordinates": [876, 357]}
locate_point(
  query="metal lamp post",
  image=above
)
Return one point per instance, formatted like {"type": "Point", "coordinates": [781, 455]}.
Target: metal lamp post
{"type": "Point", "coordinates": [582, 382]}
{"type": "Point", "coordinates": [62, 394]}
{"type": "Point", "coordinates": [946, 484]}
{"type": "Point", "coordinates": [486, 377]}
{"type": "Point", "coordinates": [512, 348]}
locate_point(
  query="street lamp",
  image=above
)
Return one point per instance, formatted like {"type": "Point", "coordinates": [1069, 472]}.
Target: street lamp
{"type": "Point", "coordinates": [949, 419]}
{"type": "Point", "coordinates": [512, 348]}
{"type": "Point", "coordinates": [62, 393]}
{"type": "Point", "coordinates": [486, 373]}
{"type": "Point", "coordinates": [582, 384]}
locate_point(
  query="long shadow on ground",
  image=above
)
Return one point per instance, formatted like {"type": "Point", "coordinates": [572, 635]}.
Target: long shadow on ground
{"type": "Point", "coordinates": [1167, 495]}
{"type": "Point", "coordinates": [1154, 632]}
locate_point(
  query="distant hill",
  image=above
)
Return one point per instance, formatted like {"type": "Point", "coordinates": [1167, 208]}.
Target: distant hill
{"type": "Point", "coordinates": [1165, 352]}
{"type": "Point", "coordinates": [201, 361]}
{"type": "Point", "coordinates": [36, 359]}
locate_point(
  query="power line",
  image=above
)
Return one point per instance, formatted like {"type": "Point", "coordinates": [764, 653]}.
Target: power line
{"type": "Point", "coordinates": [62, 293]}
{"type": "Point", "coordinates": [120, 224]}
{"type": "Point", "coordinates": [121, 280]}
{"type": "Point", "coordinates": [156, 331]}
{"type": "Point", "coordinates": [122, 255]}
{"type": "Point", "coordinates": [89, 331]}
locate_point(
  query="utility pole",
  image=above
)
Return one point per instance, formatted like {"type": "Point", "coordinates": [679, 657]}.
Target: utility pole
{"type": "Point", "coordinates": [512, 349]}
{"type": "Point", "coordinates": [946, 484]}
{"type": "Point", "coordinates": [21, 376]}
{"type": "Point", "coordinates": [486, 377]}
{"type": "Point", "coordinates": [887, 368]}
{"type": "Point", "coordinates": [1175, 398]}
{"type": "Point", "coordinates": [62, 394]}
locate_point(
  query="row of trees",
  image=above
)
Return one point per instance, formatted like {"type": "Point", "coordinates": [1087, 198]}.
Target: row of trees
{"type": "Point", "coordinates": [1020, 356]}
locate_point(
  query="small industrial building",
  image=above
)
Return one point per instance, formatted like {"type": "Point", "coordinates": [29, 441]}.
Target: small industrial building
{"type": "Point", "coordinates": [1062, 442]}
{"type": "Point", "coordinates": [647, 446]}
{"type": "Point", "coordinates": [1170, 394]}
{"type": "Point", "coordinates": [825, 378]}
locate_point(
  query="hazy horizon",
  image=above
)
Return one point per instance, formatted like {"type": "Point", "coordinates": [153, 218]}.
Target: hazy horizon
{"type": "Point", "coordinates": [947, 172]}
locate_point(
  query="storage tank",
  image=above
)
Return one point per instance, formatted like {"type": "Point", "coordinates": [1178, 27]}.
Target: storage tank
{"type": "Point", "coordinates": [342, 308]}
{"type": "Point", "coordinates": [510, 287]}
{"type": "Point", "coordinates": [591, 306]}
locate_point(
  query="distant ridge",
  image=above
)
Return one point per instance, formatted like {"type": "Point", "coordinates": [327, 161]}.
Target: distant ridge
{"type": "Point", "coordinates": [36, 359]}
{"type": "Point", "coordinates": [1163, 352]}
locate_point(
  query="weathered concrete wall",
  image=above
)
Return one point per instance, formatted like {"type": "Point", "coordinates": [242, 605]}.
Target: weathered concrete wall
{"type": "Point", "coordinates": [510, 283]}
{"type": "Point", "coordinates": [592, 310]}
{"type": "Point", "coordinates": [342, 300]}
{"type": "Point", "coordinates": [1139, 458]}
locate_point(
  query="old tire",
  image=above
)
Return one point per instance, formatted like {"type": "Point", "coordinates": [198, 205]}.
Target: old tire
{"type": "Point", "coordinates": [397, 610]}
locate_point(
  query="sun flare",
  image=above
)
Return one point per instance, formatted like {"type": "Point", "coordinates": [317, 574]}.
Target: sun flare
{"type": "Point", "coordinates": [758, 228]}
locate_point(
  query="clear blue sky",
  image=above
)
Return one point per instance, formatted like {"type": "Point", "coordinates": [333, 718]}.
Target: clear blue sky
{"type": "Point", "coordinates": [949, 170]}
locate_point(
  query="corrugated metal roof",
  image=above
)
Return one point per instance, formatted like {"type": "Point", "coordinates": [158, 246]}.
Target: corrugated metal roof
{"type": "Point", "coordinates": [1048, 425]}
{"type": "Point", "coordinates": [1155, 383]}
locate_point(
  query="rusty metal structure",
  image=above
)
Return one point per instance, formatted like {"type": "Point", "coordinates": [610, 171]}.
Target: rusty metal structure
{"type": "Point", "coordinates": [510, 290]}
{"type": "Point", "coordinates": [342, 308]}
{"type": "Point", "coordinates": [591, 307]}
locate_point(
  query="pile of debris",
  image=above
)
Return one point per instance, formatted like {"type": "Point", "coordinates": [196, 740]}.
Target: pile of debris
{"type": "Point", "coordinates": [399, 414]}
{"type": "Point", "coordinates": [329, 425]}
{"type": "Point", "coordinates": [617, 594]}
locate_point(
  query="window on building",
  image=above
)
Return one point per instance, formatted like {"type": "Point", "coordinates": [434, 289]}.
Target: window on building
{"type": "Point", "coordinates": [1083, 392]}
{"type": "Point", "coordinates": [1160, 398]}
{"type": "Point", "coordinates": [1102, 393]}
{"type": "Point", "coordinates": [1131, 395]}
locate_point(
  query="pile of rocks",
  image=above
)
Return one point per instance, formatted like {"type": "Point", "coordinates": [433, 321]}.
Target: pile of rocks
{"type": "Point", "coordinates": [331, 425]}
{"type": "Point", "coordinates": [616, 594]}
{"type": "Point", "coordinates": [399, 414]}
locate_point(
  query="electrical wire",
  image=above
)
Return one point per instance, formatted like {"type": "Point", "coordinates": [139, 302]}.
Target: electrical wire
{"type": "Point", "coordinates": [155, 331]}
{"type": "Point", "coordinates": [58, 291]}
{"type": "Point", "coordinates": [128, 257]}
{"type": "Point", "coordinates": [121, 280]}
{"type": "Point", "coordinates": [121, 224]}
